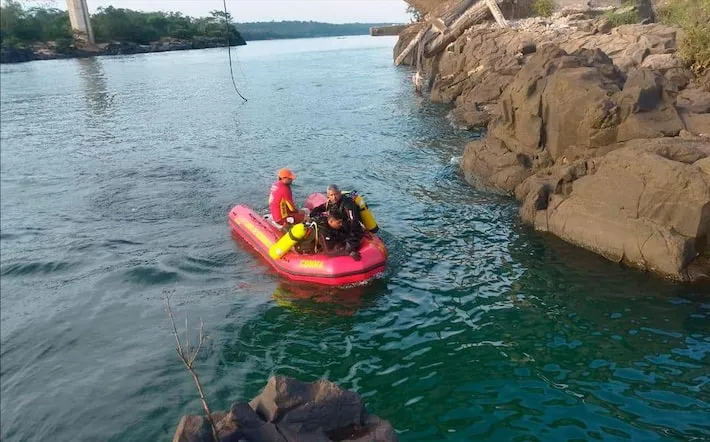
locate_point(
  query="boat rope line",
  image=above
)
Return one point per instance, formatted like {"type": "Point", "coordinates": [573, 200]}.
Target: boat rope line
{"type": "Point", "coordinates": [229, 49]}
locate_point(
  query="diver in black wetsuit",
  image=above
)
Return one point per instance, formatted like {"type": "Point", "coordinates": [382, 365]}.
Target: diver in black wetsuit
{"type": "Point", "coordinates": [328, 236]}
{"type": "Point", "coordinates": [343, 207]}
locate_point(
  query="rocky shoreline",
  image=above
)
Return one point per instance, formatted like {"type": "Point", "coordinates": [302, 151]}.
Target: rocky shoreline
{"type": "Point", "coordinates": [600, 133]}
{"type": "Point", "coordinates": [288, 410]}
{"type": "Point", "coordinates": [52, 51]}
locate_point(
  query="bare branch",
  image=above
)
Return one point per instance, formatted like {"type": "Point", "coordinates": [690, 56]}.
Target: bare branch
{"type": "Point", "coordinates": [172, 321]}
{"type": "Point", "coordinates": [188, 364]}
{"type": "Point", "coordinates": [187, 338]}
{"type": "Point", "coordinates": [199, 345]}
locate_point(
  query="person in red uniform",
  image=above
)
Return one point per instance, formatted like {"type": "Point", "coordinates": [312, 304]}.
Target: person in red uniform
{"type": "Point", "coordinates": [283, 209]}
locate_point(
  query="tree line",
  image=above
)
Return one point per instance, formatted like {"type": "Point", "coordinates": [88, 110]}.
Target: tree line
{"type": "Point", "coordinates": [301, 29]}
{"type": "Point", "coordinates": [20, 26]}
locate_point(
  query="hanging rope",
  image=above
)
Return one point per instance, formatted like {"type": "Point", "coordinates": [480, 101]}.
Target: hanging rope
{"type": "Point", "coordinates": [229, 49]}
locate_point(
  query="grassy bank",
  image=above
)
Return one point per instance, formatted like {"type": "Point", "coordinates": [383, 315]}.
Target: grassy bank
{"type": "Point", "coordinates": [693, 17]}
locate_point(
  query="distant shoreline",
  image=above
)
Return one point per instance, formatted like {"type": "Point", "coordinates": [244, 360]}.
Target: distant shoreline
{"type": "Point", "coordinates": [41, 33]}
{"type": "Point", "coordinates": [48, 51]}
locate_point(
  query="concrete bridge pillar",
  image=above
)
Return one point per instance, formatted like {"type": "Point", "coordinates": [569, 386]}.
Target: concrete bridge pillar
{"type": "Point", "coordinates": [80, 22]}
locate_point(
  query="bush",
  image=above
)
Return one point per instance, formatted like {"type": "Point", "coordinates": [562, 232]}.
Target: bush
{"type": "Point", "coordinates": [543, 8]}
{"type": "Point", "coordinates": [692, 16]}
{"type": "Point", "coordinates": [65, 45]}
{"type": "Point", "coordinates": [629, 17]}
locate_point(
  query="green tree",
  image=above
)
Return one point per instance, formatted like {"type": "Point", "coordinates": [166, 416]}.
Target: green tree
{"type": "Point", "coordinates": [19, 27]}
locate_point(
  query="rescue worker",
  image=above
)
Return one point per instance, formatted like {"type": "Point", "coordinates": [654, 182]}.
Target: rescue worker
{"type": "Point", "coordinates": [283, 209]}
{"type": "Point", "coordinates": [343, 207]}
{"type": "Point", "coordinates": [327, 236]}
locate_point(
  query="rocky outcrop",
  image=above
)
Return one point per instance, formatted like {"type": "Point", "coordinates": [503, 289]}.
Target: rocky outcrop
{"type": "Point", "coordinates": [600, 132]}
{"type": "Point", "coordinates": [603, 159]}
{"type": "Point", "coordinates": [290, 410]}
{"type": "Point", "coordinates": [564, 106]}
{"type": "Point", "coordinates": [474, 70]}
{"type": "Point", "coordinates": [645, 204]}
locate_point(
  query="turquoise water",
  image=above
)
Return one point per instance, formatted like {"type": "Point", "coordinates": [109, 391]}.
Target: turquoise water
{"type": "Point", "coordinates": [117, 175]}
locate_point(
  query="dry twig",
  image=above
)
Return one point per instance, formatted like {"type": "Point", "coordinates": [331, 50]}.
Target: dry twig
{"type": "Point", "coordinates": [188, 359]}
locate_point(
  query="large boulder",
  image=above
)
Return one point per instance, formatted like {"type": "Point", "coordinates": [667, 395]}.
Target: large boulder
{"type": "Point", "coordinates": [475, 69]}
{"type": "Point", "coordinates": [603, 160]}
{"type": "Point", "coordinates": [288, 410]}
{"type": "Point", "coordinates": [645, 204]}
{"type": "Point", "coordinates": [564, 106]}
{"type": "Point", "coordinates": [693, 106]}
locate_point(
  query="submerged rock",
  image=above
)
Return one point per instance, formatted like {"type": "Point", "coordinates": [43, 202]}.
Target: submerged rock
{"type": "Point", "coordinates": [290, 410]}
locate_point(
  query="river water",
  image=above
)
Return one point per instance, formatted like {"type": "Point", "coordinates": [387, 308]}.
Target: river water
{"type": "Point", "coordinates": [117, 177]}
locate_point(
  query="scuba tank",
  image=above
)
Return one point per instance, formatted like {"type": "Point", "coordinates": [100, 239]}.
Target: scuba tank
{"type": "Point", "coordinates": [368, 220]}
{"type": "Point", "coordinates": [290, 239]}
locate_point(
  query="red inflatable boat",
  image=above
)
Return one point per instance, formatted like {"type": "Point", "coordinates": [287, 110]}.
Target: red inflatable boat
{"type": "Point", "coordinates": [260, 233]}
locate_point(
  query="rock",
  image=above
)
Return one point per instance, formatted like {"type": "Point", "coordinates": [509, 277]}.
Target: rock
{"type": "Point", "coordinates": [689, 136]}
{"type": "Point", "coordinates": [588, 126]}
{"type": "Point", "coordinates": [527, 47]}
{"type": "Point", "coordinates": [559, 100]}
{"type": "Point", "coordinates": [295, 434]}
{"type": "Point", "coordinates": [604, 26]}
{"type": "Point", "coordinates": [267, 432]}
{"type": "Point", "coordinates": [694, 100]}
{"type": "Point", "coordinates": [374, 429]}
{"type": "Point", "coordinates": [659, 222]}
{"type": "Point", "coordinates": [642, 92]}
{"type": "Point", "coordinates": [244, 416]}
{"type": "Point", "coordinates": [467, 118]}
{"type": "Point", "coordinates": [694, 110]}
{"type": "Point", "coordinates": [490, 165]}
{"type": "Point", "coordinates": [575, 106]}
{"type": "Point", "coordinates": [662, 62]}
{"type": "Point", "coordinates": [704, 165]}
{"type": "Point", "coordinates": [289, 410]}
{"type": "Point", "coordinates": [483, 61]}
{"type": "Point", "coordinates": [320, 404]}
{"type": "Point", "coordinates": [487, 91]}
{"type": "Point", "coordinates": [677, 79]}
{"type": "Point", "coordinates": [193, 429]}
{"type": "Point", "coordinates": [697, 124]}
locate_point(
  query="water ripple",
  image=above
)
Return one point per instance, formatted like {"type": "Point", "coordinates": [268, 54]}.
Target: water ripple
{"type": "Point", "coordinates": [117, 177]}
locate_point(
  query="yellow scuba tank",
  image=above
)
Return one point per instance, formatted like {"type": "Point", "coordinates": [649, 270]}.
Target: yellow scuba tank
{"type": "Point", "coordinates": [290, 239]}
{"type": "Point", "coordinates": [365, 214]}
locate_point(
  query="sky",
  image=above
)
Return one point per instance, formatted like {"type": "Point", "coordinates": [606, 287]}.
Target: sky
{"type": "Point", "coordinates": [330, 11]}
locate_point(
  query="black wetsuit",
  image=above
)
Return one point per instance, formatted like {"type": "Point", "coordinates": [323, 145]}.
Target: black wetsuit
{"type": "Point", "coordinates": [333, 242]}
{"type": "Point", "coordinates": [345, 209]}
